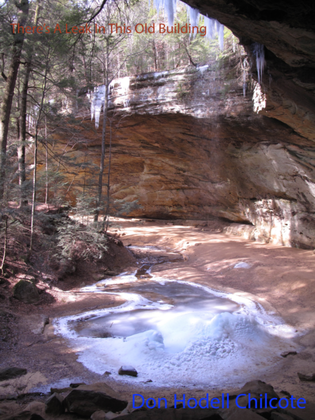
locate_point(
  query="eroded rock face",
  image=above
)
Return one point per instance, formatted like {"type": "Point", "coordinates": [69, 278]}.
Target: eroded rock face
{"type": "Point", "coordinates": [189, 145]}
{"type": "Point", "coordinates": [287, 31]}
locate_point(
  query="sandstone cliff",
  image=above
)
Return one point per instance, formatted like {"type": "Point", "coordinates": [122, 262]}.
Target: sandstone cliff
{"type": "Point", "coordinates": [188, 144]}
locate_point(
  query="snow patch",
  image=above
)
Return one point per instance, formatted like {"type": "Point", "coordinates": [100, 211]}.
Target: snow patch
{"type": "Point", "coordinates": [242, 265]}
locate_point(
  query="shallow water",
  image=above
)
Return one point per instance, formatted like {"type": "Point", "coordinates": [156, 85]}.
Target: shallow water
{"type": "Point", "coordinates": [189, 305]}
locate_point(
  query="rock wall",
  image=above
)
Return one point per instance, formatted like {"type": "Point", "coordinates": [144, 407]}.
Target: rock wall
{"type": "Point", "coordinates": [189, 145]}
{"type": "Point", "coordinates": [286, 28]}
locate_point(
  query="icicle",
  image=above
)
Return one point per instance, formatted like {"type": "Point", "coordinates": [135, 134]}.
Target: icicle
{"type": "Point", "coordinates": [158, 4]}
{"type": "Point", "coordinates": [245, 67]}
{"type": "Point", "coordinates": [244, 82]}
{"type": "Point", "coordinates": [124, 84]}
{"type": "Point", "coordinates": [258, 50]}
{"type": "Point", "coordinates": [170, 8]}
{"type": "Point", "coordinates": [213, 26]}
{"type": "Point", "coordinates": [97, 101]}
{"type": "Point", "coordinates": [221, 36]}
{"type": "Point", "coordinates": [193, 15]}
{"type": "Point", "coordinates": [210, 25]}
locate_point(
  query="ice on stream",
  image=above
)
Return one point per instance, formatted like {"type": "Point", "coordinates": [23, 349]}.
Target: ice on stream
{"type": "Point", "coordinates": [192, 335]}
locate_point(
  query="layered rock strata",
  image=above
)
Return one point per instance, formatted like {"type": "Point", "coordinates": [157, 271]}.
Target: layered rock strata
{"type": "Point", "coordinates": [189, 145]}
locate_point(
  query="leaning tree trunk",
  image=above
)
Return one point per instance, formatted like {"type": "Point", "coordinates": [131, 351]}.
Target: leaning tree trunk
{"type": "Point", "coordinates": [6, 105]}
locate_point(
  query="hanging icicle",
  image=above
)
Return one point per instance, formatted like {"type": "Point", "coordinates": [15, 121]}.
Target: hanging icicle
{"type": "Point", "coordinates": [169, 6]}
{"type": "Point", "coordinates": [259, 51]}
{"type": "Point", "coordinates": [97, 98]}
{"type": "Point", "coordinates": [214, 26]}
{"type": "Point", "coordinates": [193, 15]}
{"type": "Point", "coordinates": [245, 67]}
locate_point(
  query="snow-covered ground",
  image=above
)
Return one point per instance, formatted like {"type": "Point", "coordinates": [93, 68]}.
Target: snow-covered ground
{"type": "Point", "coordinates": [183, 333]}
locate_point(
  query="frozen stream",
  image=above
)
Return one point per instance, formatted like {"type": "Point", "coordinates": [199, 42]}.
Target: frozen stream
{"type": "Point", "coordinates": [175, 332]}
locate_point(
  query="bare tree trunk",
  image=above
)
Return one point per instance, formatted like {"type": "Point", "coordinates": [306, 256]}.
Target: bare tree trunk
{"type": "Point", "coordinates": [6, 105]}
{"type": "Point", "coordinates": [46, 165]}
{"type": "Point", "coordinates": [106, 217]}
{"type": "Point", "coordinates": [5, 245]}
{"type": "Point", "coordinates": [102, 162]}
{"type": "Point", "coordinates": [22, 137]}
{"type": "Point", "coordinates": [35, 154]}
{"type": "Point", "coordinates": [101, 171]}
{"type": "Point", "coordinates": [155, 55]}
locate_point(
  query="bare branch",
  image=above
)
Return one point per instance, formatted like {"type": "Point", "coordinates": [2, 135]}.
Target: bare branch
{"type": "Point", "coordinates": [98, 12]}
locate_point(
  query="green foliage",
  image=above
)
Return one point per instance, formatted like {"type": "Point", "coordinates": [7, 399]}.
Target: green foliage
{"type": "Point", "coordinates": [182, 91]}
{"type": "Point", "coordinates": [71, 62]}
{"type": "Point", "coordinates": [78, 238]}
{"type": "Point", "coordinates": [76, 241]}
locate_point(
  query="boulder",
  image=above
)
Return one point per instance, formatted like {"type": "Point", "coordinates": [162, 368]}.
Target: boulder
{"type": "Point", "coordinates": [280, 416]}
{"type": "Point", "coordinates": [98, 415]}
{"type": "Point", "coordinates": [36, 408]}
{"type": "Point", "coordinates": [101, 415]}
{"type": "Point", "coordinates": [11, 373]}
{"type": "Point", "coordinates": [175, 414]}
{"type": "Point", "coordinates": [85, 403]}
{"type": "Point", "coordinates": [306, 413]}
{"type": "Point", "coordinates": [24, 415]}
{"type": "Point", "coordinates": [255, 389]}
{"type": "Point", "coordinates": [26, 291]}
{"type": "Point", "coordinates": [236, 413]}
{"type": "Point", "coordinates": [128, 370]}
{"type": "Point", "coordinates": [54, 405]}
{"type": "Point", "coordinates": [307, 377]}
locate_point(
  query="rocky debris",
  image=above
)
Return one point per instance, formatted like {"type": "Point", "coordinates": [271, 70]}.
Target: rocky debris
{"type": "Point", "coordinates": [142, 272]}
{"type": "Point", "coordinates": [60, 390]}
{"type": "Point", "coordinates": [7, 333]}
{"type": "Point", "coordinates": [111, 273]}
{"type": "Point", "coordinates": [288, 353]}
{"type": "Point", "coordinates": [175, 414]}
{"type": "Point", "coordinates": [92, 402]}
{"type": "Point", "coordinates": [128, 370]}
{"type": "Point", "coordinates": [22, 276]}
{"type": "Point", "coordinates": [85, 403]}
{"type": "Point", "coordinates": [24, 415]}
{"type": "Point", "coordinates": [308, 377]}
{"type": "Point", "coordinates": [26, 291]}
{"type": "Point", "coordinates": [76, 385]}
{"type": "Point", "coordinates": [36, 408]}
{"type": "Point", "coordinates": [280, 416]}
{"type": "Point", "coordinates": [99, 415]}
{"type": "Point", "coordinates": [236, 413]}
{"type": "Point", "coordinates": [45, 322]}
{"type": "Point", "coordinates": [255, 389]}
{"type": "Point", "coordinates": [11, 373]}
{"type": "Point", "coordinates": [307, 413]}
{"type": "Point", "coordinates": [54, 405]}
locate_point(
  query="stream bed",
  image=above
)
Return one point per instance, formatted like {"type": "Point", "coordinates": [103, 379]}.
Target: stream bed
{"type": "Point", "coordinates": [176, 332]}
